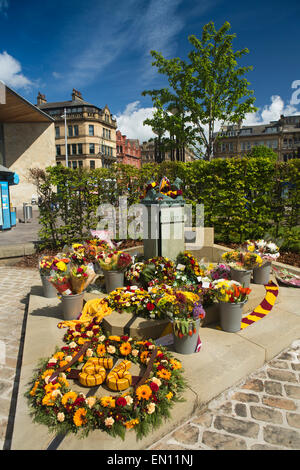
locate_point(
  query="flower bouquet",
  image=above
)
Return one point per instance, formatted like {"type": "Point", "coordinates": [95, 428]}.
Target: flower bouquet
{"type": "Point", "coordinates": [45, 265]}
{"type": "Point", "coordinates": [132, 274]}
{"type": "Point", "coordinates": [188, 264]}
{"type": "Point", "coordinates": [241, 265]}
{"type": "Point", "coordinates": [231, 297]}
{"type": "Point", "coordinates": [60, 277]}
{"type": "Point", "coordinates": [78, 278]}
{"type": "Point", "coordinates": [267, 250]}
{"type": "Point", "coordinates": [221, 271]}
{"type": "Point", "coordinates": [114, 264]}
{"type": "Point", "coordinates": [158, 270]}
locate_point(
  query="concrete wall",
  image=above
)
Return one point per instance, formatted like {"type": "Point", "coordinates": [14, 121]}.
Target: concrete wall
{"type": "Point", "coordinates": [27, 145]}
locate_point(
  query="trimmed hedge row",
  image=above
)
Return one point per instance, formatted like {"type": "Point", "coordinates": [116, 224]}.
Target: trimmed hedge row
{"type": "Point", "coordinates": [243, 198]}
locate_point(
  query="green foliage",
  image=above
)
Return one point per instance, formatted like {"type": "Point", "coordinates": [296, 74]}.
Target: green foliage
{"type": "Point", "coordinates": [243, 198]}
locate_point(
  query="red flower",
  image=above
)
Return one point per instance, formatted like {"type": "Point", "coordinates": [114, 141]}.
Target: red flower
{"type": "Point", "coordinates": [124, 338]}
{"type": "Point", "coordinates": [121, 401]}
{"type": "Point", "coordinates": [154, 387]}
{"type": "Point", "coordinates": [150, 306]}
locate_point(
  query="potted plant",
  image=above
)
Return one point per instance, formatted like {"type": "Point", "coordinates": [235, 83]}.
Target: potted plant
{"type": "Point", "coordinates": [45, 266]}
{"type": "Point", "coordinates": [232, 298]}
{"type": "Point", "coordinates": [268, 251]}
{"type": "Point", "coordinates": [187, 314]}
{"type": "Point", "coordinates": [114, 264]}
{"type": "Point", "coordinates": [241, 265]}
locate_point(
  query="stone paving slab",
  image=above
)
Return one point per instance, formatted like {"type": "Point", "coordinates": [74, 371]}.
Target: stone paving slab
{"type": "Point", "coordinates": [224, 360]}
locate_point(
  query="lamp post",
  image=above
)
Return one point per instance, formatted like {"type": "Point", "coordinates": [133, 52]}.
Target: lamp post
{"type": "Point", "coordinates": [66, 137]}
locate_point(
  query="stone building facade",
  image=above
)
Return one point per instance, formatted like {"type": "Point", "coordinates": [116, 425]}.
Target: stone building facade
{"type": "Point", "coordinates": [282, 136]}
{"type": "Point", "coordinates": [91, 132]}
{"type": "Point", "coordinates": [149, 150]}
{"type": "Point", "coordinates": [26, 141]}
{"type": "Point", "coordinates": [128, 150]}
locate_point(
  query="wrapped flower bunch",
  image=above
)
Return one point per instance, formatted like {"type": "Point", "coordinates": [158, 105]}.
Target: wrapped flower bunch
{"type": "Point", "coordinates": [188, 264]}
{"type": "Point", "coordinates": [230, 291]}
{"type": "Point", "coordinates": [188, 309]}
{"type": "Point", "coordinates": [114, 260]}
{"type": "Point", "coordinates": [221, 271]}
{"type": "Point", "coordinates": [242, 260]}
{"type": "Point", "coordinates": [267, 250]}
{"type": "Point", "coordinates": [45, 265]}
{"type": "Point", "coordinates": [132, 274]}
{"type": "Point", "coordinates": [158, 270]}
{"type": "Point", "coordinates": [78, 278]}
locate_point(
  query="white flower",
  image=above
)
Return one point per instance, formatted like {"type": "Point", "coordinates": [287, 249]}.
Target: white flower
{"type": "Point", "coordinates": [111, 349]}
{"type": "Point", "coordinates": [89, 352]}
{"type": "Point", "coordinates": [68, 358]}
{"type": "Point", "coordinates": [272, 247]}
{"type": "Point", "coordinates": [261, 243]}
{"type": "Point", "coordinates": [56, 393]}
{"type": "Point", "coordinates": [53, 360]}
{"type": "Point", "coordinates": [90, 333]}
{"type": "Point", "coordinates": [129, 399]}
{"type": "Point", "coordinates": [109, 422]}
{"type": "Point", "coordinates": [150, 408]}
{"type": "Point", "coordinates": [73, 344]}
{"type": "Point", "coordinates": [90, 401]}
{"type": "Point", "coordinates": [60, 417]}
{"type": "Point", "coordinates": [152, 346]}
{"type": "Point", "coordinates": [101, 338]}
{"type": "Point", "coordinates": [63, 375]}
{"type": "Point", "coordinates": [135, 352]}
{"type": "Point", "coordinates": [156, 381]}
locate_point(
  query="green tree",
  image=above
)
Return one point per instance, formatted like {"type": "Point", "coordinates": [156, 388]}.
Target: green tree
{"type": "Point", "coordinates": [208, 90]}
{"type": "Point", "coordinates": [261, 151]}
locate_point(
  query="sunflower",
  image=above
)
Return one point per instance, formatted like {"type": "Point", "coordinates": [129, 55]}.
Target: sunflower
{"type": "Point", "coordinates": [101, 350]}
{"type": "Point", "coordinates": [68, 396]}
{"type": "Point", "coordinates": [164, 374]}
{"type": "Point", "coordinates": [79, 417]}
{"type": "Point", "coordinates": [175, 364]}
{"type": "Point", "coordinates": [125, 349]}
{"type": "Point", "coordinates": [143, 391]}
{"type": "Point", "coordinates": [49, 388]}
{"type": "Point", "coordinates": [48, 400]}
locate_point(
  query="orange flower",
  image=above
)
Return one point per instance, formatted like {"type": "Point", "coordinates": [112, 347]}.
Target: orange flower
{"type": "Point", "coordinates": [144, 356]}
{"type": "Point", "coordinates": [101, 350]}
{"type": "Point", "coordinates": [130, 424]}
{"type": "Point", "coordinates": [125, 349]}
{"type": "Point", "coordinates": [164, 374]}
{"type": "Point", "coordinates": [79, 417]}
{"type": "Point", "coordinates": [175, 364]}
{"type": "Point", "coordinates": [68, 396]}
{"type": "Point", "coordinates": [143, 391]}
{"type": "Point", "coordinates": [32, 392]}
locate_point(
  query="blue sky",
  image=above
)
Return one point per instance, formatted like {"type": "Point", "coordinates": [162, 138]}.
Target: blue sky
{"type": "Point", "coordinates": [102, 48]}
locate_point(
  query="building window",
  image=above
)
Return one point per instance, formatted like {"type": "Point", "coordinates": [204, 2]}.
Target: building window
{"type": "Point", "coordinates": [92, 148]}
{"type": "Point", "coordinates": [76, 133]}
{"type": "Point", "coordinates": [79, 149]}
{"type": "Point", "coordinates": [106, 117]}
{"type": "Point", "coordinates": [57, 132]}
{"type": "Point", "coordinates": [74, 165]}
{"type": "Point", "coordinates": [91, 130]}
{"type": "Point", "coordinates": [58, 150]}
{"type": "Point", "coordinates": [69, 149]}
{"type": "Point", "coordinates": [73, 149]}
{"type": "Point", "coordinates": [92, 164]}
{"type": "Point", "coordinates": [80, 163]}
{"type": "Point", "coordinates": [70, 131]}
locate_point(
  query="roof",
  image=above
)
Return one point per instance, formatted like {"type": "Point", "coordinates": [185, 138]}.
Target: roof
{"type": "Point", "coordinates": [17, 109]}
{"type": "Point", "coordinates": [66, 104]}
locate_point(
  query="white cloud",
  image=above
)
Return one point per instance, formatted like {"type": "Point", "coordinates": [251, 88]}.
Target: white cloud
{"type": "Point", "coordinates": [130, 122]}
{"type": "Point", "coordinates": [11, 72]}
{"type": "Point", "coordinates": [271, 112]}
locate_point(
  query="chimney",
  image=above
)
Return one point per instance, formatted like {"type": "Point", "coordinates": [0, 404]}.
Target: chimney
{"type": "Point", "coordinates": [41, 99]}
{"type": "Point", "coordinates": [76, 95]}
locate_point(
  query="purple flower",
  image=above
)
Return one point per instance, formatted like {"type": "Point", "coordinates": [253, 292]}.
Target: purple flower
{"type": "Point", "coordinates": [198, 311]}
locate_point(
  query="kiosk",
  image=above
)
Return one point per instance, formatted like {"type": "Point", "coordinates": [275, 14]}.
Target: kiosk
{"type": "Point", "coordinates": [7, 212]}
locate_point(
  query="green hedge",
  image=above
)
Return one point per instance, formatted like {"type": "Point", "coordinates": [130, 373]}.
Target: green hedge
{"type": "Point", "coordinates": [243, 198]}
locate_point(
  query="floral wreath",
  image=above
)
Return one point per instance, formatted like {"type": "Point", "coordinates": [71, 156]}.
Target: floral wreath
{"type": "Point", "coordinates": [53, 402]}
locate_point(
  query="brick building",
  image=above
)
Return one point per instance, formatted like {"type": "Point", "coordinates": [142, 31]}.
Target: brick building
{"type": "Point", "coordinates": [128, 150]}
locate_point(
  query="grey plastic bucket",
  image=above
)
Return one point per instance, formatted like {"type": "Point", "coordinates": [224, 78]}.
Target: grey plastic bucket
{"type": "Point", "coordinates": [243, 277]}
{"type": "Point", "coordinates": [187, 344]}
{"type": "Point", "coordinates": [72, 305]}
{"type": "Point", "coordinates": [113, 280]}
{"type": "Point", "coordinates": [48, 289]}
{"type": "Point", "coordinates": [231, 316]}
{"type": "Point", "coordinates": [262, 275]}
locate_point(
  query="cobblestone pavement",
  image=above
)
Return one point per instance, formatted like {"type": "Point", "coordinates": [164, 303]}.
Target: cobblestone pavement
{"type": "Point", "coordinates": [262, 412]}
{"type": "Point", "coordinates": [15, 284]}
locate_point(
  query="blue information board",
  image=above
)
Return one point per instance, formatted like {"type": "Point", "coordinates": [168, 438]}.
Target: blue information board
{"type": "Point", "coordinates": [5, 205]}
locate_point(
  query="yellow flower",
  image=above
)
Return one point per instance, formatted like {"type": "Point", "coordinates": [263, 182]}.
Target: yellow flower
{"type": "Point", "coordinates": [101, 350]}
{"type": "Point", "coordinates": [164, 374]}
{"type": "Point", "coordinates": [175, 364]}
{"type": "Point", "coordinates": [59, 355]}
{"type": "Point", "coordinates": [68, 396]}
{"type": "Point", "coordinates": [61, 266]}
{"type": "Point", "coordinates": [108, 401]}
{"type": "Point", "coordinates": [79, 417]}
{"type": "Point", "coordinates": [169, 395]}
{"type": "Point", "coordinates": [114, 338]}
{"type": "Point", "coordinates": [47, 372]}
{"type": "Point", "coordinates": [143, 391]}
{"type": "Point", "coordinates": [63, 381]}
{"type": "Point", "coordinates": [32, 392]}
{"type": "Point", "coordinates": [125, 349]}
{"type": "Point", "coordinates": [130, 424]}
{"type": "Point", "coordinates": [49, 388]}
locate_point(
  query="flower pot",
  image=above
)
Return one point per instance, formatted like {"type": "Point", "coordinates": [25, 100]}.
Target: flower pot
{"type": "Point", "coordinates": [48, 289]}
{"type": "Point", "coordinates": [261, 275]}
{"type": "Point", "coordinates": [113, 280]}
{"type": "Point", "coordinates": [241, 276]}
{"type": "Point", "coordinates": [187, 344]}
{"type": "Point", "coordinates": [72, 306]}
{"type": "Point", "coordinates": [231, 316]}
